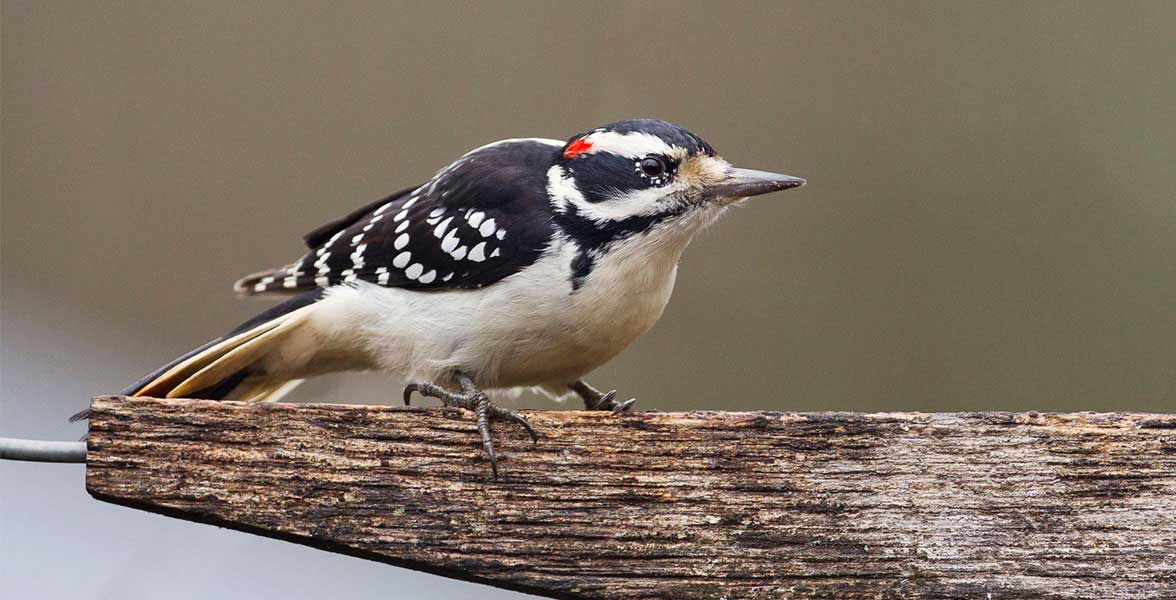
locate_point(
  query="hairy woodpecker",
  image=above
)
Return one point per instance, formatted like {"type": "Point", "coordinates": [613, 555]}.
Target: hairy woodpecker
{"type": "Point", "coordinates": [525, 263]}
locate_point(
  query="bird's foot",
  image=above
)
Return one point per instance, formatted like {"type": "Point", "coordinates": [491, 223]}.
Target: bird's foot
{"type": "Point", "coordinates": [595, 400]}
{"type": "Point", "coordinates": [608, 401]}
{"type": "Point", "coordinates": [471, 398]}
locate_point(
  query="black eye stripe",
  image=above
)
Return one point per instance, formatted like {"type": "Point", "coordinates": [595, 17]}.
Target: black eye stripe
{"type": "Point", "coordinates": [603, 176]}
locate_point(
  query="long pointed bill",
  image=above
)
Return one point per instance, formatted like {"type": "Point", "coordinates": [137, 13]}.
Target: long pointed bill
{"type": "Point", "coordinates": [741, 183]}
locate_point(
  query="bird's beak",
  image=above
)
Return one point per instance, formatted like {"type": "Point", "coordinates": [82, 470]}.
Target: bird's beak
{"type": "Point", "coordinates": [741, 183]}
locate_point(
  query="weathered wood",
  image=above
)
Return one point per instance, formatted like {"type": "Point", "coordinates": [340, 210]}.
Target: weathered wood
{"type": "Point", "coordinates": [676, 505]}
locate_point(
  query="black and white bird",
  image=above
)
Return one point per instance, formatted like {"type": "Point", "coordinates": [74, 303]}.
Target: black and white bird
{"type": "Point", "coordinates": [525, 263]}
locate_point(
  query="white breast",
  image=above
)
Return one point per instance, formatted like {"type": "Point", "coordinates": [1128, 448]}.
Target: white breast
{"type": "Point", "coordinates": [529, 329]}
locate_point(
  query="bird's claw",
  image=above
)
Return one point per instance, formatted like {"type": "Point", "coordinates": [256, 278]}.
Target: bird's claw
{"type": "Point", "coordinates": [622, 407]}
{"type": "Point", "coordinates": [408, 390]}
{"type": "Point", "coordinates": [514, 417]}
{"type": "Point", "coordinates": [605, 401]}
{"type": "Point", "coordinates": [608, 401]}
{"type": "Point", "coordinates": [484, 409]}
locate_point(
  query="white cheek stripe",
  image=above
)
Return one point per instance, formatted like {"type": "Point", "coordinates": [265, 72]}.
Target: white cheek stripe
{"type": "Point", "coordinates": [562, 189]}
{"type": "Point", "coordinates": [563, 192]}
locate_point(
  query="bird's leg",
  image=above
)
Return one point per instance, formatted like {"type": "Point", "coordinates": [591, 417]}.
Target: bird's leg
{"type": "Point", "coordinates": [472, 398]}
{"type": "Point", "coordinates": [594, 400]}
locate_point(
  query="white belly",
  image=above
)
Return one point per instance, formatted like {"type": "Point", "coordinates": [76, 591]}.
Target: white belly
{"type": "Point", "coordinates": [529, 329]}
{"type": "Point", "coordinates": [578, 331]}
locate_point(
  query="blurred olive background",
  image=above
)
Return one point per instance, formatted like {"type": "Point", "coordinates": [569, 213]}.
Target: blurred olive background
{"type": "Point", "coordinates": [990, 222]}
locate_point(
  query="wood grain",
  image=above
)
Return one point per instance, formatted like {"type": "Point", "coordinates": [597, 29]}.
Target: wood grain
{"type": "Point", "coordinates": [676, 505]}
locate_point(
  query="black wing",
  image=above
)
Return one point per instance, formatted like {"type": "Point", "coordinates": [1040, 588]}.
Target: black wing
{"type": "Point", "coordinates": [322, 233]}
{"type": "Point", "coordinates": [483, 218]}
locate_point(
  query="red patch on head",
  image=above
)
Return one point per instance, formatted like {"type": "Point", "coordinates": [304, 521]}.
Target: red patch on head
{"type": "Point", "coordinates": [577, 148]}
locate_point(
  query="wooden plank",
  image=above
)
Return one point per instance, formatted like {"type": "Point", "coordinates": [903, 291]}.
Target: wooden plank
{"type": "Point", "coordinates": [676, 505]}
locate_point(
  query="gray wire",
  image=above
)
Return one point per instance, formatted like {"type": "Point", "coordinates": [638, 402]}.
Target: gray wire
{"type": "Point", "coordinates": [42, 451]}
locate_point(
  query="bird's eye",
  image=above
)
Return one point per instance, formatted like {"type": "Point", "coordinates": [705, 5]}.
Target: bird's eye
{"type": "Point", "coordinates": [652, 166]}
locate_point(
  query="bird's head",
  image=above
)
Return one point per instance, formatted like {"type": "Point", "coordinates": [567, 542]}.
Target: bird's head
{"type": "Point", "coordinates": [633, 174]}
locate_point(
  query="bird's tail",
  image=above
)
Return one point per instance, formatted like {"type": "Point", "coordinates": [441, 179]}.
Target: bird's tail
{"type": "Point", "coordinates": [230, 367]}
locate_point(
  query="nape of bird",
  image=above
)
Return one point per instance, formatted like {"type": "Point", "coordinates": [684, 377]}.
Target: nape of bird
{"type": "Point", "coordinates": [526, 263]}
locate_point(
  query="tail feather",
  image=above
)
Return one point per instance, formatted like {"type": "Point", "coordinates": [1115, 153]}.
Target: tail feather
{"type": "Point", "coordinates": [225, 368]}
{"type": "Point", "coordinates": [239, 353]}
{"type": "Point", "coordinates": [225, 387]}
{"type": "Point", "coordinates": [182, 371]}
{"type": "Point", "coordinates": [272, 282]}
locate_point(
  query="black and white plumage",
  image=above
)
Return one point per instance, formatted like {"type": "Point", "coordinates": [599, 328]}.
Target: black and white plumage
{"type": "Point", "coordinates": [469, 226]}
{"type": "Point", "coordinates": [525, 263]}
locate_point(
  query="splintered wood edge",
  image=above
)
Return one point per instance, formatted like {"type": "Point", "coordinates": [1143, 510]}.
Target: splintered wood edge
{"type": "Point", "coordinates": [283, 471]}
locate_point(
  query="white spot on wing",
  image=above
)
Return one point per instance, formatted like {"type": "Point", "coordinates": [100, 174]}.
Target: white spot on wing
{"type": "Point", "coordinates": [451, 241]}
{"type": "Point", "coordinates": [401, 259]}
{"type": "Point", "coordinates": [436, 212]}
{"type": "Point", "coordinates": [400, 216]}
{"type": "Point", "coordinates": [478, 254]}
{"type": "Point", "coordinates": [324, 247]}
{"type": "Point", "coordinates": [357, 257]}
{"type": "Point", "coordinates": [321, 263]}
{"type": "Point", "coordinates": [501, 234]}
{"type": "Point", "coordinates": [495, 253]}
{"type": "Point", "coordinates": [487, 228]}
{"type": "Point", "coordinates": [402, 226]}
{"type": "Point", "coordinates": [447, 277]}
{"type": "Point", "coordinates": [401, 241]}
{"type": "Point", "coordinates": [459, 253]}
{"type": "Point", "coordinates": [440, 230]}
{"type": "Point", "coordinates": [428, 277]}
{"type": "Point", "coordinates": [414, 271]}
{"type": "Point", "coordinates": [475, 218]}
